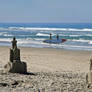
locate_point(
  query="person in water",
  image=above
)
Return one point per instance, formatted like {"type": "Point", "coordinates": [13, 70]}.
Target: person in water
{"type": "Point", "coordinates": [57, 37]}
{"type": "Point", "coordinates": [50, 36]}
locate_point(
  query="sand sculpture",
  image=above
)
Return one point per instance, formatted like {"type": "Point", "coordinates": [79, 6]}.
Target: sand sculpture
{"type": "Point", "coordinates": [15, 65]}
{"type": "Point", "coordinates": [89, 75]}
{"type": "Point", "coordinates": [14, 51]}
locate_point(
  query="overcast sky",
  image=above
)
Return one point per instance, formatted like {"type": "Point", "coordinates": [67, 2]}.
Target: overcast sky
{"type": "Point", "coordinates": [61, 11]}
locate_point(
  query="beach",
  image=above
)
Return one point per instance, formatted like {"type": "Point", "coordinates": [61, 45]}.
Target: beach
{"type": "Point", "coordinates": [49, 69]}
{"type": "Point", "coordinates": [46, 46]}
{"type": "Point", "coordinates": [50, 60]}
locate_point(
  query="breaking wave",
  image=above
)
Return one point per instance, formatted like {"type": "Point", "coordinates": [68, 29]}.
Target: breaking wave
{"type": "Point", "coordinates": [81, 40]}
{"type": "Point", "coordinates": [44, 29]}
{"type": "Point", "coordinates": [41, 34]}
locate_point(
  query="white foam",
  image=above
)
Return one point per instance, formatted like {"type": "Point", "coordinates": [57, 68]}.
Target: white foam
{"type": "Point", "coordinates": [7, 35]}
{"type": "Point", "coordinates": [41, 34]}
{"type": "Point", "coordinates": [63, 35]}
{"type": "Point", "coordinates": [2, 33]}
{"type": "Point", "coordinates": [5, 40]}
{"type": "Point", "coordinates": [76, 46]}
{"type": "Point", "coordinates": [81, 40]}
{"type": "Point", "coordinates": [44, 29]}
{"type": "Point", "coordinates": [72, 29]}
{"type": "Point", "coordinates": [39, 39]}
{"type": "Point", "coordinates": [86, 29]}
{"type": "Point", "coordinates": [90, 42]}
{"type": "Point", "coordinates": [53, 29]}
{"type": "Point", "coordinates": [75, 35]}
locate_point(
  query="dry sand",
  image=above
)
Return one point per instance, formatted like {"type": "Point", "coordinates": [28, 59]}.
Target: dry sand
{"type": "Point", "coordinates": [54, 70]}
{"type": "Point", "coordinates": [50, 60]}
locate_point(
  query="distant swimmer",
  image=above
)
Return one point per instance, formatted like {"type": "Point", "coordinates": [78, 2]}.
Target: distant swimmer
{"type": "Point", "coordinates": [57, 37]}
{"type": "Point", "coordinates": [50, 36]}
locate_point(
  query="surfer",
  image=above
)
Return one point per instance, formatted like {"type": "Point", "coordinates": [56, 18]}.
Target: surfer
{"type": "Point", "coordinates": [50, 36]}
{"type": "Point", "coordinates": [57, 37]}
{"type": "Point", "coordinates": [54, 41]}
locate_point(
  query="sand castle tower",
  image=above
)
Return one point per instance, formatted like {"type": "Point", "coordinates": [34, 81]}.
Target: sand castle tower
{"type": "Point", "coordinates": [15, 65]}
{"type": "Point", "coordinates": [14, 51]}
{"type": "Point", "coordinates": [89, 75]}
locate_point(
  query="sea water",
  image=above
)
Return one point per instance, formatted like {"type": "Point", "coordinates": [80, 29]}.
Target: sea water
{"type": "Point", "coordinates": [78, 35]}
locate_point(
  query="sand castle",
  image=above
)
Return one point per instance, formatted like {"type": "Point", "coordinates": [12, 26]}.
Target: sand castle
{"type": "Point", "coordinates": [14, 51]}
{"type": "Point", "coordinates": [15, 65]}
{"type": "Point", "coordinates": [89, 75]}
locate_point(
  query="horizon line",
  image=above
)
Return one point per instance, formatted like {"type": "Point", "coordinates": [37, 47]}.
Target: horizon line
{"type": "Point", "coordinates": [50, 22]}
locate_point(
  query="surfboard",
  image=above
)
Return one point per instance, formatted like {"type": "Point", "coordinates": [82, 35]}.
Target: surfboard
{"type": "Point", "coordinates": [55, 41]}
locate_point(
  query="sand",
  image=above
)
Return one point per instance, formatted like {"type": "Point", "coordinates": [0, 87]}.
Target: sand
{"type": "Point", "coordinates": [50, 70]}
{"type": "Point", "coordinates": [50, 60]}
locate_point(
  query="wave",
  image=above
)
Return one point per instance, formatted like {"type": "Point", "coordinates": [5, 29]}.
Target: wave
{"type": "Point", "coordinates": [39, 43]}
{"type": "Point", "coordinates": [31, 40]}
{"type": "Point", "coordinates": [5, 34]}
{"type": "Point", "coordinates": [5, 40]}
{"type": "Point", "coordinates": [90, 42]}
{"type": "Point", "coordinates": [44, 29]}
{"type": "Point", "coordinates": [41, 34]}
{"type": "Point", "coordinates": [75, 35]}
{"type": "Point", "coordinates": [81, 40]}
{"type": "Point", "coordinates": [76, 47]}
{"type": "Point", "coordinates": [88, 35]}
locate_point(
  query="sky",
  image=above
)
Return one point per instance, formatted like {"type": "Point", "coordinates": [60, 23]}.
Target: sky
{"type": "Point", "coordinates": [46, 11]}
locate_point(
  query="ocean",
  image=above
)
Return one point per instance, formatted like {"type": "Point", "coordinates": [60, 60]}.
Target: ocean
{"type": "Point", "coordinates": [78, 35]}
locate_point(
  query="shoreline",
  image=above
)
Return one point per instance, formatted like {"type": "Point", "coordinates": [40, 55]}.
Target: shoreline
{"type": "Point", "coordinates": [77, 50]}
